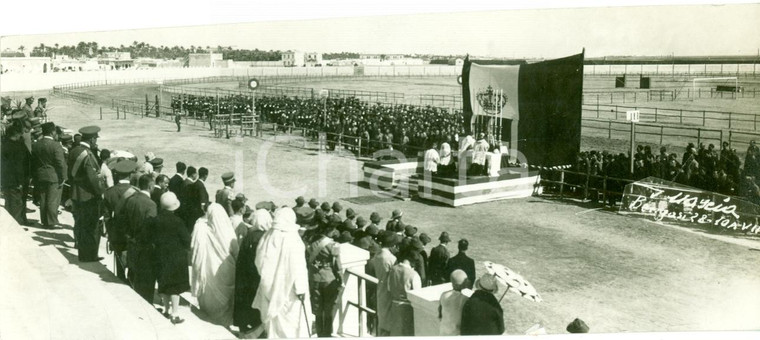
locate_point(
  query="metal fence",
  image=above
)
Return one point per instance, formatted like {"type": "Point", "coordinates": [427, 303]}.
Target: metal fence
{"type": "Point", "coordinates": [636, 96]}
{"type": "Point", "coordinates": [705, 118]}
{"type": "Point", "coordinates": [656, 134]}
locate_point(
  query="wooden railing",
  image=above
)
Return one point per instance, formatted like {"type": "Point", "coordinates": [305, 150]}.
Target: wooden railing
{"type": "Point", "coordinates": [361, 305]}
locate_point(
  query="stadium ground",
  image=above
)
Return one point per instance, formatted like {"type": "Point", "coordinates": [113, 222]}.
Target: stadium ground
{"type": "Point", "coordinates": [618, 274]}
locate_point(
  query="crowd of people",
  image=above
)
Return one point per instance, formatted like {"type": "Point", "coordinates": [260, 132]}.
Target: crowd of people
{"type": "Point", "coordinates": [257, 267]}
{"type": "Point", "coordinates": [703, 167]}
{"type": "Point", "coordinates": [403, 127]}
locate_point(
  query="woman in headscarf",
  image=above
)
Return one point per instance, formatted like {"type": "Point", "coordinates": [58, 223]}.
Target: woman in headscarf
{"type": "Point", "coordinates": [282, 297]}
{"type": "Point", "coordinates": [215, 249]}
{"type": "Point", "coordinates": [247, 276]}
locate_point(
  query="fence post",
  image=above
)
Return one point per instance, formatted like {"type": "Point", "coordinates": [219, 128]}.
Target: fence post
{"type": "Point", "coordinates": [604, 190]}
{"type": "Point", "coordinates": [754, 117]}
{"type": "Point", "coordinates": [561, 183]}
{"type": "Point", "coordinates": [729, 120]}
{"type": "Point", "coordinates": [730, 135]}
{"type": "Point", "coordinates": [680, 115]}
{"type": "Point", "coordinates": [117, 112]}
{"type": "Point", "coordinates": [704, 114]}
{"type": "Point", "coordinates": [655, 115]}
{"type": "Point", "coordinates": [609, 129]}
{"type": "Point", "coordinates": [699, 135]}
{"type": "Point", "coordinates": [661, 133]}
{"type": "Point", "coordinates": [101, 113]}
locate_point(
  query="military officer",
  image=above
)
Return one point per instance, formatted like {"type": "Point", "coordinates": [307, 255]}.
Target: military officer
{"type": "Point", "coordinates": [226, 195]}
{"type": "Point", "coordinates": [27, 108]}
{"type": "Point", "coordinates": [113, 202]}
{"type": "Point", "coordinates": [41, 110]}
{"type": "Point", "coordinates": [86, 190]}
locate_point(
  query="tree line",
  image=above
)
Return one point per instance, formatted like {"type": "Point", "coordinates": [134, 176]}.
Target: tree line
{"type": "Point", "coordinates": [145, 50]}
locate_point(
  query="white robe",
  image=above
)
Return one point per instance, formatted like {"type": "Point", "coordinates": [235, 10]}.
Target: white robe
{"type": "Point", "coordinates": [215, 249]}
{"type": "Point", "coordinates": [281, 261]}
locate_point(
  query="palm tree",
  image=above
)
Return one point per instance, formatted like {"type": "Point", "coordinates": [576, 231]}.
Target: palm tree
{"type": "Point", "coordinates": [21, 48]}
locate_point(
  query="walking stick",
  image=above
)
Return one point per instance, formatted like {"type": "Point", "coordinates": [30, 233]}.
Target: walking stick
{"type": "Point", "coordinates": [305, 315]}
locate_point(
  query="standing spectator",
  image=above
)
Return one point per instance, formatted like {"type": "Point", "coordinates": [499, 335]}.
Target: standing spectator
{"type": "Point", "coordinates": [395, 223]}
{"type": "Point", "coordinates": [439, 258]}
{"type": "Point", "coordinates": [172, 243]}
{"type": "Point", "coordinates": [451, 303]}
{"type": "Point", "coordinates": [50, 172]}
{"type": "Point", "coordinates": [15, 172]}
{"type": "Point", "coordinates": [380, 266]}
{"type": "Point", "coordinates": [175, 183]}
{"type": "Point", "coordinates": [159, 188]}
{"type": "Point", "coordinates": [196, 196]}
{"type": "Point", "coordinates": [105, 172]}
{"type": "Point", "coordinates": [462, 261]}
{"type": "Point", "coordinates": [116, 223]}
{"type": "Point", "coordinates": [401, 279]}
{"type": "Point", "coordinates": [215, 250]}
{"type": "Point", "coordinates": [324, 280]}
{"type": "Point", "coordinates": [247, 277]}
{"type": "Point", "coordinates": [86, 191]}
{"type": "Point", "coordinates": [304, 214]}
{"type": "Point", "coordinates": [226, 195]}
{"type": "Point", "coordinates": [282, 294]}
{"type": "Point", "coordinates": [141, 258]}
{"type": "Point", "coordinates": [482, 314]}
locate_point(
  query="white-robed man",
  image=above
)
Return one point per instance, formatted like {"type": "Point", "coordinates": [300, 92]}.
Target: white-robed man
{"type": "Point", "coordinates": [283, 294]}
{"type": "Point", "coordinates": [431, 160]}
{"type": "Point", "coordinates": [215, 249]}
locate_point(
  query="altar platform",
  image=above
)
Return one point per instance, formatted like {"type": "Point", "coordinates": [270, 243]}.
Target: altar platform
{"type": "Point", "coordinates": [511, 183]}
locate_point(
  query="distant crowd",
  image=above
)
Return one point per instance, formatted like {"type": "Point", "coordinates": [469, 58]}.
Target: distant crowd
{"type": "Point", "coordinates": [703, 167]}
{"type": "Point", "coordinates": [407, 128]}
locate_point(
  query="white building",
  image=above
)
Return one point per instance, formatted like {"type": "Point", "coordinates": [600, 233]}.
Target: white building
{"type": "Point", "coordinates": [26, 65]}
{"type": "Point", "coordinates": [300, 59]}
{"type": "Point", "coordinates": [206, 60]}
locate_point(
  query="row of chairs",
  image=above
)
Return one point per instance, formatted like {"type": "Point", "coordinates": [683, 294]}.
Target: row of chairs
{"type": "Point", "coordinates": [232, 124]}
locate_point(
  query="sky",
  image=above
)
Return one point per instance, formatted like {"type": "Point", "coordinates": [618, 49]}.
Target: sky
{"type": "Point", "coordinates": [388, 27]}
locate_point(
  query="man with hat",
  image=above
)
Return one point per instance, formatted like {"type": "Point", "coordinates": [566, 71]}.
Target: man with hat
{"type": "Point", "coordinates": [14, 165]}
{"type": "Point", "coordinates": [50, 172]}
{"type": "Point", "coordinates": [577, 326]}
{"type": "Point", "coordinates": [401, 279]}
{"type": "Point", "coordinates": [304, 214]}
{"type": "Point", "coordinates": [481, 313]}
{"type": "Point", "coordinates": [379, 267]}
{"type": "Point", "coordinates": [348, 223]}
{"type": "Point", "coordinates": [395, 224]}
{"type": "Point", "coordinates": [158, 165]}
{"type": "Point", "coordinates": [113, 202]}
{"type": "Point", "coordinates": [439, 258]}
{"type": "Point", "coordinates": [375, 219]}
{"type": "Point", "coordinates": [225, 195]}
{"type": "Point", "coordinates": [27, 108]}
{"type": "Point", "coordinates": [324, 279]}
{"type": "Point", "coordinates": [141, 259]}
{"type": "Point", "coordinates": [41, 110]}
{"type": "Point", "coordinates": [86, 191]}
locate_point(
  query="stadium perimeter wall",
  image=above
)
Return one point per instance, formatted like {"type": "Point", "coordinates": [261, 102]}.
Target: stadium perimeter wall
{"type": "Point", "coordinates": [12, 82]}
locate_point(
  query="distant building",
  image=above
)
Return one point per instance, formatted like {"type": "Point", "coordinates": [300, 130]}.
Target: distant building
{"type": "Point", "coordinates": [206, 60]}
{"type": "Point", "coordinates": [243, 64]}
{"type": "Point", "coordinates": [26, 65]}
{"type": "Point", "coordinates": [300, 59]}
{"type": "Point", "coordinates": [382, 56]}
{"type": "Point", "coordinates": [115, 60]}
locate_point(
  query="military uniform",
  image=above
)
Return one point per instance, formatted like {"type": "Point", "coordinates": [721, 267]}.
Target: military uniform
{"type": "Point", "coordinates": [226, 195]}
{"type": "Point", "coordinates": [113, 202]}
{"type": "Point", "coordinates": [86, 190]}
{"type": "Point", "coordinates": [324, 282]}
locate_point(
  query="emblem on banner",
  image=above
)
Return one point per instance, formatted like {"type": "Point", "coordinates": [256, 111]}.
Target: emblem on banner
{"type": "Point", "coordinates": [491, 101]}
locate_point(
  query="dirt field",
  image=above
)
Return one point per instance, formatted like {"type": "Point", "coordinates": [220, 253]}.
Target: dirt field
{"type": "Point", "coordinates": [618, 274]}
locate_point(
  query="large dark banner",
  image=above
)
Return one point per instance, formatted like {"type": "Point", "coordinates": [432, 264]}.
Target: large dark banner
{"type": "Point", "coordinates": [549, 107]}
